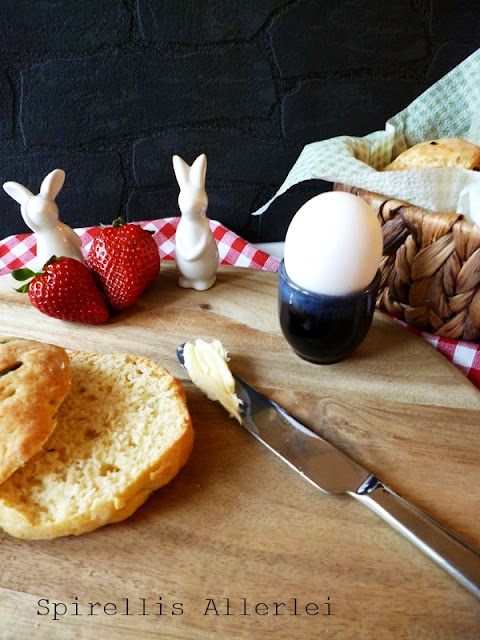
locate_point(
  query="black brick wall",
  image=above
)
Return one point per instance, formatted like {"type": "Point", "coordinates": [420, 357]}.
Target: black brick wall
{"type": "Point", "coordinates": [109, 90]}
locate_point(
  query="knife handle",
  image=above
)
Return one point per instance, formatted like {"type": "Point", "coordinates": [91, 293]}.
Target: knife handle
{"type": "Point", "coordinates": [446, 548]}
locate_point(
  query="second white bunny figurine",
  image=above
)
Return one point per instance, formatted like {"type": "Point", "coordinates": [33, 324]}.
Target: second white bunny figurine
{"type": "Point", "coordinates": [196, 252]}
{"type": "Point", "coordinates": [40, 213]}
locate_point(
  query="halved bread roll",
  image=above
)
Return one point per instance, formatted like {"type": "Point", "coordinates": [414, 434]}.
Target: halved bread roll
{"type": "Point", "coordinates": [123, 431]}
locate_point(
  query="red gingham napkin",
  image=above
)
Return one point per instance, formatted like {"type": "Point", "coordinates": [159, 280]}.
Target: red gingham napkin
{"type": "Point", "coordinates": [464, 355]}
{"type": "Point", "coordinates": [19, 250]}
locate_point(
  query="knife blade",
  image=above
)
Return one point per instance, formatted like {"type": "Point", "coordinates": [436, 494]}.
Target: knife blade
{"type": "Point", "coordinates": [333, 472]}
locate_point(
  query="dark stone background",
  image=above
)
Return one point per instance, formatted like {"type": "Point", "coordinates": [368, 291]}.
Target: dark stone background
{"type": "Point", "coordinates": [109, 90]}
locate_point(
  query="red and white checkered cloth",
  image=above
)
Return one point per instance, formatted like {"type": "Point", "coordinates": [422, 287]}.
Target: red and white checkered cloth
{"type": "Point", "coordinates": [20, 250]}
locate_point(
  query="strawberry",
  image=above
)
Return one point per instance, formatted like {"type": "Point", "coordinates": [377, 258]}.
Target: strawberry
{"type": "Point", "coordinates": [126, 261]}
{"type": "Point", "coordinates": [65, 289]}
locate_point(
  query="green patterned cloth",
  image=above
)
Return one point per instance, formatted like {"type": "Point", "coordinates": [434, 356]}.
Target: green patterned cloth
{"type": "Point", "coordinates": [449, 108]}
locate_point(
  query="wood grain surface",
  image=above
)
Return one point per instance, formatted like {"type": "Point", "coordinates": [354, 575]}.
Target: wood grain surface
{"type": "Point", "coordinates": [237, 530]}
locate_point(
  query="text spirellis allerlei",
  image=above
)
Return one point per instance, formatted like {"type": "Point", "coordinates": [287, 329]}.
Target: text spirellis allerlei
{"type": "Point", "coordinates": [208, 606]}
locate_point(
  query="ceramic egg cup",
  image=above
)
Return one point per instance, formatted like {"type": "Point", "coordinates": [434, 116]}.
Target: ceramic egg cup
{"type": "Point", "coordinates": [324, 329]}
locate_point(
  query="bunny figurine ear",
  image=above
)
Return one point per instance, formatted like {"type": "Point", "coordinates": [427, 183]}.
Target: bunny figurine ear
{"type": "Point", "coordinates": [182, 171]}
{"type": "Point", "coordinates": [18, 192]}
{"type": "Point", "coordinates": [198, 171]}
{"type": "Point", "coordinates": [52, 183]}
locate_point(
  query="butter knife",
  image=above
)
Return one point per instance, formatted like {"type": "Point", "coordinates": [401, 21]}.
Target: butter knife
{"type": "Point", "coordinates": [333, 472]}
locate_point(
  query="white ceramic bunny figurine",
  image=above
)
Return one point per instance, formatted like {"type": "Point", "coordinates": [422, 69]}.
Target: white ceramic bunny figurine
{"type": "Point", "coordinates": [196, 252]}
{"type": "Point", "coordinates": [40, 212]}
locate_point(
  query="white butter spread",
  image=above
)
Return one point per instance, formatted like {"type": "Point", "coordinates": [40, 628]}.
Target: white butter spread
{"type": "Point", "coordinates": [207, 365]}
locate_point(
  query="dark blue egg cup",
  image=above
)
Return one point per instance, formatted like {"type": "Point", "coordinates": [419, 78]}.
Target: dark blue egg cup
{"type": "Point", "coordinates": [323, 328]}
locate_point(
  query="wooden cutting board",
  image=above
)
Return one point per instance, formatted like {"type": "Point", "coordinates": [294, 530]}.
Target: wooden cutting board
{"type": "Point", "coordinates": [238, 531]}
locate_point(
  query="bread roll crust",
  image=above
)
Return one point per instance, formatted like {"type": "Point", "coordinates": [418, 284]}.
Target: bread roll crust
{"type": "Point", "coordinates": [439, 153]}
{"type": "Point", "coordinates": [35, 377]}
{"type": "Point", "coordinates": [123, 431]}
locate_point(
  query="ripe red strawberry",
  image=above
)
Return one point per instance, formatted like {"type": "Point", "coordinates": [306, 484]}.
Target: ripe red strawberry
{"type": "Point", "coordinates": [65, 289]}
{"type": "Point", "coordinates": [126, 261]}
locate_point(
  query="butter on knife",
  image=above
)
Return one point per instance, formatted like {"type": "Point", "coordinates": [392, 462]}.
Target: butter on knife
{"type": "Point", "coordinates": [207, 365]}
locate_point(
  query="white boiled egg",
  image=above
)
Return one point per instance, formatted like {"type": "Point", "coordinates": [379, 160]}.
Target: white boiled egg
{"type": "Point", "coordinates": [333, 244]}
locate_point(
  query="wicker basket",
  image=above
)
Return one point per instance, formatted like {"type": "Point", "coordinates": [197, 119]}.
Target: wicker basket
{"type": "Point", "coordinates": [430, 267]}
